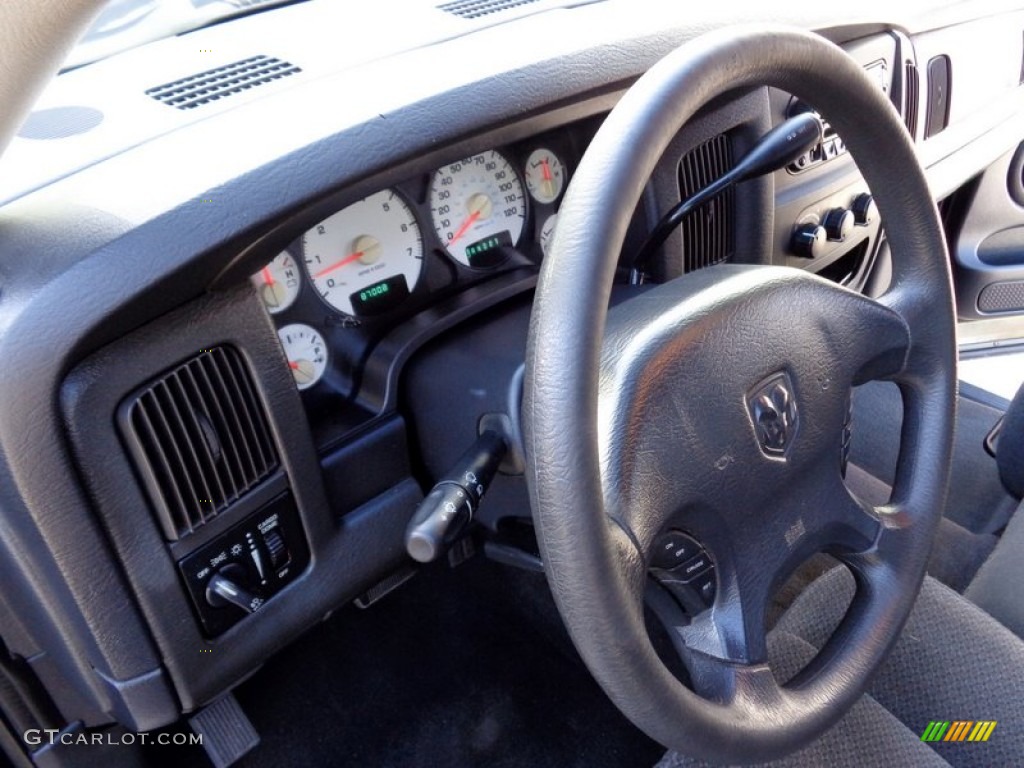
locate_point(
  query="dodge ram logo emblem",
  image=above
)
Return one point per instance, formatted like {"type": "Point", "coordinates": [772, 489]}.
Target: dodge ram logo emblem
{"type": "Point", "coordinates": [774, 414]}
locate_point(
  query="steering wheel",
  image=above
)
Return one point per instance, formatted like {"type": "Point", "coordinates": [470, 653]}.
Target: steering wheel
{"type": "Point", "coordinates": [715, 403]}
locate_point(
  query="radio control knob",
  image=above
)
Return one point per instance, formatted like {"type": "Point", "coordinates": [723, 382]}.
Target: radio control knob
{"type": "Point", "coordinates": [864, 209]}
{"type": "Point", "coordinates": [839, 224]}
{"type": "Point", "coordinates": [808, 241]}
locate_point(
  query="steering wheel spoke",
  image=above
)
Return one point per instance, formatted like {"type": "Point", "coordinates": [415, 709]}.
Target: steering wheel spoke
{"type": "Point", "coordinates": [844, 523]}
{"type": "Point", "coordinates": [730, 683]}
{"type": "Point", "coordinates": [879, 341]}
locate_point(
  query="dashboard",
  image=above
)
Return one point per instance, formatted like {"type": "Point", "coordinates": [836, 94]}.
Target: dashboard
{"type": "Point", "coordinates": [272, 325]}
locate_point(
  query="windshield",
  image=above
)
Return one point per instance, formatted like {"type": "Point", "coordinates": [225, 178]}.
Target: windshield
{"type": "Point", "coordinates": [124, 24]}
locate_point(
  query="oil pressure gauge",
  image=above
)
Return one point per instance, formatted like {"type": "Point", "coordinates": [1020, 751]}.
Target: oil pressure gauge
{"type": "Point", "coordinates": [545, 175]}
{"type": "Point", "coordinates": [306, 353]}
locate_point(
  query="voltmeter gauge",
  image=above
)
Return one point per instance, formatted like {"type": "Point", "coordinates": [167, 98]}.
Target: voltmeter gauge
{"type": "Point", "coordinates": [545, 175]}
{"type": "Point", "coordinates": [547, 233]}
{"type": "Point", "coordinates": [477, 205]}
{"type": "Point", "coordinates": [306, 353]}
{"type": "Point", "coordinates": [278, 283]}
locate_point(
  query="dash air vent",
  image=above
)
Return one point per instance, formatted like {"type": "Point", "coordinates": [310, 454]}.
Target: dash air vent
{"type": "Point", "coordinates": [199, 438]}
{"type": "Point", "coordinates": [474, 9]}
{"type": "Point", "coordinates": [911, 87]}
{"type": "Point", "coordinates": [707, 231]}
{"type": "Point", "coordinates": [213, 84]}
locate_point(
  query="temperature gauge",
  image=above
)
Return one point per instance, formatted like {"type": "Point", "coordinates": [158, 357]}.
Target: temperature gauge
{"type": "Point", "coordinates": [278, 283]}
{"type": "Point", "coordinates": [306, 353]}
{"type": "Point", "coordinates": [545, 175]}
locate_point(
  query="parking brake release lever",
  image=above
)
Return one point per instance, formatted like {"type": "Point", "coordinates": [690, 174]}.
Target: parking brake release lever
{"type": "Point", "coordinates": [452, 502]}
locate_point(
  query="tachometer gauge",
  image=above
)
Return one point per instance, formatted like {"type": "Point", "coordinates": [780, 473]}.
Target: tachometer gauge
{"type": "Point", "coordinates": [545, 175]}
{"type": "Point", "coordinates": [547, 233]}
{"type": "Point", "coordinates": [306, 353]}
{"type": "Point", "coordinates": [278, 283]}
{"type": "Point", "coordinates": [477, 206]}
{"type": "Point", "coordinates": [366, 259]}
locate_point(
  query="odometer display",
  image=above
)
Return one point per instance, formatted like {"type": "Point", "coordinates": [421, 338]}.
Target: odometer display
{"type": "Point", "coordinates": [370, 243]}
{"type": "Point", "coordinates": [380, 297]}
{"type": "Point", "coordinates": [488, 252]}
{"type": "Point", "coordinates": [473, 201]}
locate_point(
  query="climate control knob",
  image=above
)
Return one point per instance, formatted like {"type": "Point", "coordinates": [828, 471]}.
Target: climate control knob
{"type": "Point", "coordinates": [864, 209]}
{"type": "Point", "coordinates": [838, 224]}
{"type": "Point", "coordinates": [809, 241]}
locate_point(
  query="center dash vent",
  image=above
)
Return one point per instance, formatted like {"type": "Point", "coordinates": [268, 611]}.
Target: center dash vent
{"type": "Point", "coordinates": [213, 84]}
{"type": "Point", "coordinates": [707, 231]}
{"type": "Point", "coordinates": [200, 439]}
{"type": "Point", "coordinates": [474, 9]}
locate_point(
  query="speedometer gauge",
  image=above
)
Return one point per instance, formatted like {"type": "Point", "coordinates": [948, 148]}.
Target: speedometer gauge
{"type": "Point", "coordinates": [477, 206]}
{"type": "Point", "coordinates": [366, 259]}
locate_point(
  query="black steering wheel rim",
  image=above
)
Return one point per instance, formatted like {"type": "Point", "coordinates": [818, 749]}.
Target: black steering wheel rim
{"type": "Point", "coordinates": [594, 558]}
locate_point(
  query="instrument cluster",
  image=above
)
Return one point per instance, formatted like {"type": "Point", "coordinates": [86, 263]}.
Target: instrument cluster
{"type": "Point", "coordinates": [400, 249]}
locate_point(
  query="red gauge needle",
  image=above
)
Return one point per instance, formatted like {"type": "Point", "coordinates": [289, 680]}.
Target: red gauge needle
{"type": "Point", "coordinates": [347, 260]}
{"type": "Point", "coordinates": [267, 277]}
{"type": "Point", "coordinates": [546, 168]}
{"type": "Point", "coordinates": [465, 226]}
{"type": "Point", "coordinates": [293, 365]}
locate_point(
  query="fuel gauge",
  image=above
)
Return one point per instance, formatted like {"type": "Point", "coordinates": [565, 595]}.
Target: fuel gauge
{"type": "Point", "coordinates": [278, 283]}
{"type": "Point", "coordinates": [306, 353]}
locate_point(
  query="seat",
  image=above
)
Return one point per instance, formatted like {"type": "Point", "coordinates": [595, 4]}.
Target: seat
{"type": "Point", "coordinates": [960, 656]}
{"type": "Point", "coordinates": [953, 662]}
{"type": "Point", "coordinates": [996, 587]}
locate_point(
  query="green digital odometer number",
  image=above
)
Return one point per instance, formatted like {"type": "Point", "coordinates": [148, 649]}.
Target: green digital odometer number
{"type": "Point", "coordinates": [374, 292]}
{"type": "Point", "coordinates": [380, 297]}
{"type": "Point", "coordinates": [488, 252]}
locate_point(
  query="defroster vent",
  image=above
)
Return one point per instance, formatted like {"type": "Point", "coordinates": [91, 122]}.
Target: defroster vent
{"type": "Point", "coordinates": [474, 9]}
{"type": "Point", "coordinates": [707, 232]}
{"type": "Point", "coordinates": [200, 439]}
{"type": "Point", "coordinates": [213, 84]}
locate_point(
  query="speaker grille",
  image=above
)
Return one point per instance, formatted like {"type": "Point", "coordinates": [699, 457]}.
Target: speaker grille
{"type": "Point", "coordinates": [1002, 297]}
